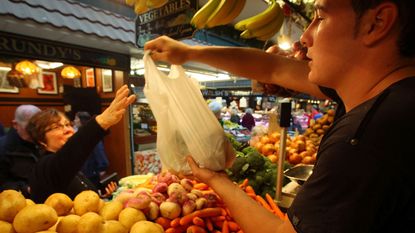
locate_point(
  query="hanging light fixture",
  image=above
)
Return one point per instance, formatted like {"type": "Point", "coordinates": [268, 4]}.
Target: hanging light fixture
{"type": "Point", "coordinates": [26, 67]}
{"type": "Point", "coordinates": [70, 72]}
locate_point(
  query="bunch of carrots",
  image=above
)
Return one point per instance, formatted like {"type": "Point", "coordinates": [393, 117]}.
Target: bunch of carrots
{"type": "Point", "coordinates": [216, 219]}
{"type": "Point", "coordinates": [268, 203]}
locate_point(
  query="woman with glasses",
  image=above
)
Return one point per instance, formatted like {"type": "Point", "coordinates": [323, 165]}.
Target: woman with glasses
{"type": "Point", "coordinates": [64, 151]}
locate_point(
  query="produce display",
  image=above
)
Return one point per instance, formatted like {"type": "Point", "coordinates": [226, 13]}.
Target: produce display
{"type": "Point", "coordinates": [320, 126]}
{"type": "Point", "coordinates": [157, 204]}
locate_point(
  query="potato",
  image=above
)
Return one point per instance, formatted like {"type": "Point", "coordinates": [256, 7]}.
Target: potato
{"type": "Point", "coordinates": [11, 202]}
{"type": "Point", "coordinates": [29, 202]}
{"type": "Point", "coordinates": [146, 227]}
{"type": "Point", "coordinates": [320, 131]}
{"type": "Point", "coordinates": [6, 227]}
{"type": "Point", "coordinates": [34, 218]}
{"type": "Point", "coordinates": [91, 223]}
{"type": "Point", "coordinates": [60, 202]}
{"type": "Point", "coordinates": [112, 226]}
{"type": "Point", "coordinates": [129, 216]}
{"type": "Point", "coordinates": [53, 228]}
{"type": "Point", "coordinates": [68, 224]}
{"type": "Point", "coordinates": [111, 210]}
{"type": "Point", "coordinates": [86, 201]}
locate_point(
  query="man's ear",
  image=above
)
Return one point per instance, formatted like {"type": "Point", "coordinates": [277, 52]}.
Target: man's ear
{"type": "Point", "coordinates": [378, 23]}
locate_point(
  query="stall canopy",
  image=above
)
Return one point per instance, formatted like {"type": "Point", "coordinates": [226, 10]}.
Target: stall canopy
{"type": "Point", "coordinates": [70, 22]}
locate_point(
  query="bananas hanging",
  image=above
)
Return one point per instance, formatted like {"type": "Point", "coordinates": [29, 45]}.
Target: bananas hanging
{"type": "Point", "coordinates": [142, 6]}
{"type": "Point", "coordinates": [217, 12]}
{"type": "Point", "coordinates": [264, 25]}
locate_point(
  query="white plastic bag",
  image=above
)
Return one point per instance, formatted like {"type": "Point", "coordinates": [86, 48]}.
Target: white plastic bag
{"type": "Point", "coordinates": [185, 124]}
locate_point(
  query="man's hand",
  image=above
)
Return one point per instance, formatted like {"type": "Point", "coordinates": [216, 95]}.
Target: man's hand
{"type": "Point", "coordinates": [202, 174]}
{"type": "Point", "coordinates": [113, 114]}
{"type": "Point", "coordinates": [168, 50]}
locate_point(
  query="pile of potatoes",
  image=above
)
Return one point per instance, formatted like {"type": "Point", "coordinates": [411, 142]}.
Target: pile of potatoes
{"type": "Point", "coordinates": [319, 127]}
{"type": "Point", "coordinates": [87, 213]}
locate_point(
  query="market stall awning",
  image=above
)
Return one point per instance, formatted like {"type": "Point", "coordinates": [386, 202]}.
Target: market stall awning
{"type": "Point", "coordinates": [77, 23]}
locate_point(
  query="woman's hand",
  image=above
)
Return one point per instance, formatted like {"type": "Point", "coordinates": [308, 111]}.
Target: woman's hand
{"type": "Point", "coordinates": [168, 50]}
{"type": "Point", "coordinates": [111, 187]}
{"type": "Point", "coordinates": [114, 113]}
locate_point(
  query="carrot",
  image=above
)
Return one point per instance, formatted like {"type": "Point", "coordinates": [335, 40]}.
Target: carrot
{"type": "Point", "coordinates": [240, 231]}
{"type": "Point", "coordinates": [175, 222]}
{"type": "Point", "coordinates": [225, 227]}
{"type": "Point", "coordinates": [223, 212]}
{"type": "Point", "coordinates": [195, 229]}
{"type": "Point", "coordinates": [233, 226]}
{"type": "Point", "coordinates": [263, 202]}
{"type": "Point", "coordinates": [198, 221]}
{"type": "Point", "coordinates": [203, 213]}
{"type": "Point", "coordinates": [179, 229]}
{"type": "Point", "coordinates": [218, 218]}
{"type": "Point", "coordinates": [228, 212]}
{"type": "Point", "coordinates": [200, 186]}
{"type": "Point", "coordinates": [286, 217]}
{"type": "Point", "coordinates": [252, 195]}
{"type": "Point", "coordinates": [164, 222]}
{"type": "Point", "coordinates": [249, 190]}
{"type": "Point", "coordinates": [243, 184]}
{"type": "Point", "coordinates": [218, 224]}
{"type": "Point", "coordinates": [209, 224]}
{"type": "Point", "coordinates": [274, 207]}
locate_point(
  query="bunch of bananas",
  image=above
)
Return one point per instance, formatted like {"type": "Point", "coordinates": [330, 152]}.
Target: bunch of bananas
{"type": "Point", "coordinates": [264, 25]}
{"type": "Point", "coordinates": [142, 6]}
{"type": "Point", "coordinates": [217, 12]}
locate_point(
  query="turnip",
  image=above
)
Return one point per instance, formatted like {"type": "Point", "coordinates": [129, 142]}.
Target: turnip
{"type": "Point", "coordinates": [186, 184]}
{"type": "Point", "coordinates": [158, 198]}
{"type": "Point", "coordinates": [153, 211]}
{"type": "Point", "coordinates": [201, 202]}
{"type": "Point", "coordinates": [160, 188]}
{"type": "Point", "coordinates": [170, 210]}
{"type": "Point", "coordinates": [188, 207]}
{"type": "Point", "coordinates": [176, 188]}
{"type": "Point", "coordinates": [142, 201]}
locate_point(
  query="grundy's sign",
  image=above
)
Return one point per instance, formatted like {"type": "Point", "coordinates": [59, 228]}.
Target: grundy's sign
{"type": "Point", "coordinates": [34, 48]}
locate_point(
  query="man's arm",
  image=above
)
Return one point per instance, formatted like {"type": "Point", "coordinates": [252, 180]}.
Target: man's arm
{"type": "Point", "coordinates": [249, 215]}
{"type": "Point", "coordinates": [245, 62]}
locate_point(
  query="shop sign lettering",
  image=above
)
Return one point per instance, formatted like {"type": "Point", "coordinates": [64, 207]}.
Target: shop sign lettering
{"type": "Point", "coordinates": [172, 19]}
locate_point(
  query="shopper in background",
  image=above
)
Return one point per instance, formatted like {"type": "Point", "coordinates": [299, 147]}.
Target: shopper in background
{"type": "Point", "coordinates": [234, 116]}
{"type": "Point", "coordinates": [18, 153]}
{"type": "Point", "coordinates": [96, 165]}
{"type": "Point", "coordinates": [216, 108]}
{"type": "Point", "coordinates": [248, 121]}
{"type": "Point", "coordinates": [363, 53]}
{"type": "Point", "coordinates": [64, 151]}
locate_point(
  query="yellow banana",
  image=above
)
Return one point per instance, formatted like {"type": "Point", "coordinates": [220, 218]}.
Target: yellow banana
{"type": "Point", "coordinates": [130, 2]}
{"type": "Point", "coordinates": [260, 19]}
{"type": "Point", "coordinates": [155, 3]}
{"type": "Point", "coordinates": [221, 11]}
{"type": "Point", "coordinates": [140, 7]}
{"type": "Point", "coordinates": [272, 28]}
{"type": "Point", "coordinates": [236, 10]}
{"type": "Point", "coordinates": [201, 16]}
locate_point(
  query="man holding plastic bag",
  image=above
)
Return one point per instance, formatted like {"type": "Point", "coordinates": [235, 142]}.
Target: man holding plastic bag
{"type": "Point", "coordinates": [186, 126]}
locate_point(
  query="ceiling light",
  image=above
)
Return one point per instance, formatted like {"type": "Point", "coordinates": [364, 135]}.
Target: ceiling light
{"type": "Point", "coordinates": [70, 72]}
{"type": "Point", "coordinates": [26, 67]}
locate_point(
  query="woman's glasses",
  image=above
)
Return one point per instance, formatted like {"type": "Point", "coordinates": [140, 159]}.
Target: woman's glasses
{"type": "Point", "coordinates": [59, 126]}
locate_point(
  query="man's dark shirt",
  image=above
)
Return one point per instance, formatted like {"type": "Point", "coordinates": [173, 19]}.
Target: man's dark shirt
{"type": "Point", "coordinates": [363, 180]}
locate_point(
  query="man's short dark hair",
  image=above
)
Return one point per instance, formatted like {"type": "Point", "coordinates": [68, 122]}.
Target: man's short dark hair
{"type": "Point", "coordinates": [406, 9]}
